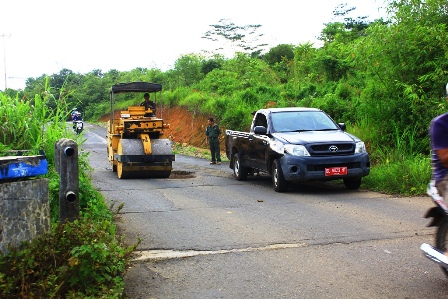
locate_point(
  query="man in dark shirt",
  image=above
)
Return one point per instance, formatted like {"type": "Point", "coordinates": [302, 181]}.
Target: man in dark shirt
{"type": "Point", "coordinates": [212, 133]}
{"type": "Point", "coordinates": [148, 103]}
{"type": "Point", "coordinates": [438, 133]}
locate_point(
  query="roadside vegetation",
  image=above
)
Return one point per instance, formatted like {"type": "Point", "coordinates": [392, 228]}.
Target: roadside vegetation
{"type": "Point", "coordinates": [81, 259]}
{"type": "Point", "coordinates": [384, 78]}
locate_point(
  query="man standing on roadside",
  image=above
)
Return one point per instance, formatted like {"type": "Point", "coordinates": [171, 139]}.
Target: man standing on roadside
{"type": "Point", "coordinates": [212, 133]}
{"type": "Point", "coordinates": [438, 133]}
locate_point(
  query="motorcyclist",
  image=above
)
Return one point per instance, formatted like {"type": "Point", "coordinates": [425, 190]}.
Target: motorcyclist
{"type": "Point", "coordinates": [77, 116]}
{"type": "Point", "coordinates": [438, 133]}
{"type": "Point", "coordinates": [73, 113]}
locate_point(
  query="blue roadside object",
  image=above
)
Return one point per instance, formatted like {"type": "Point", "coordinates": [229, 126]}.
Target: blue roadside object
{"type": "Point", "coordinates": [14, 167]}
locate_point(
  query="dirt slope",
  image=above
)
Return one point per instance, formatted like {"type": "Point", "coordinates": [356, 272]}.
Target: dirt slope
{"type": "Point", "coordinates": [186, 128]}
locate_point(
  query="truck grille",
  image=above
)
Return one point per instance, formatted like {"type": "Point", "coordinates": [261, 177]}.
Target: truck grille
{"type": "Point", "coordinates": [331, 149]}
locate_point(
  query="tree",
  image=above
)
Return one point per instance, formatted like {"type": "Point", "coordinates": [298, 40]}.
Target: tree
{"type": "Point", "coordinates": [242, 38]}
{"type": "Point", "coordinates": [211, 64]}
{"type": "Point", "coordinates": [280, 58]}
{"type": "Point", "coordinates": [189, 68]}
{"type": "Point", "coordinates": [58, 80]}
{"type": "Point", "coordinates": [344, 28]}
{"type": "Point", "coordinates": [279, 53]}
{"type": "Point", "coordinates": [304, 61]}
{"type": "Point", "coordinates": [34, 86]}
{"type": "Point", "coordinates": [98, 73]}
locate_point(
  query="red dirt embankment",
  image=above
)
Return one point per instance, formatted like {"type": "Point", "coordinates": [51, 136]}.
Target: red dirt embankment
{"type": "Point", "coordinates": [186, 128]}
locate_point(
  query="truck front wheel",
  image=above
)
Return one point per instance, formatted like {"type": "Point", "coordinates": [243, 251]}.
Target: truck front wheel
{"type": "Point", "coordinates": [352, 183]}
{"type": "Point", "coordinates": [278, 180]}
{"type": "Point", "coordinates": [239, 170]}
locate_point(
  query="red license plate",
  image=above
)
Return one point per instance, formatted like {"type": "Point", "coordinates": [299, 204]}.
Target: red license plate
{"type": "Point", "coordinates": [335, 171]}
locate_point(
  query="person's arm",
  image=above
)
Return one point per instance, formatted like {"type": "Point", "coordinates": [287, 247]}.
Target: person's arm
{"type": "Point", "coordinates": [443, 156]}
{"type": "Point", "coordinates": [438, 133]}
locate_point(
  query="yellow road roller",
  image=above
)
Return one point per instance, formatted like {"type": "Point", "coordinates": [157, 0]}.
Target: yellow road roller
{"type": "Point", "coordinates": [136, 143]}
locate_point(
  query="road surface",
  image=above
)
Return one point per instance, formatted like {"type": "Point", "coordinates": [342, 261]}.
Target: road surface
{"type": "Point", "coordinates": [205, 235]}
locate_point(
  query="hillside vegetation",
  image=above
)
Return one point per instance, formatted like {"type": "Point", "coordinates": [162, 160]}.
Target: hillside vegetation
{"type": "Point", "coordinates": [384, 78]}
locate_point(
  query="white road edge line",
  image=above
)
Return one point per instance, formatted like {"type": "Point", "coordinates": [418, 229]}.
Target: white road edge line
{"type": "Point", "coordinates": [151, 255]}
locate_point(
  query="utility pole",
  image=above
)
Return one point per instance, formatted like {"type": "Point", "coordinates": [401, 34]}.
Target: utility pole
{"type": "Point", "coordinates": [4, 36]}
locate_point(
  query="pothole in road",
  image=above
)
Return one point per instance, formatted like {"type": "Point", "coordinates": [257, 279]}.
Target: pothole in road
{"type": "Point", "coordinates": [181, 174]}
{"type": "Point", "coordinates": [151, 255]}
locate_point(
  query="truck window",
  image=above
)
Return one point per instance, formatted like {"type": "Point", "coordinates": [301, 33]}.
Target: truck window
{"type": "Point", "coordinates": [260, 120]}
{"type": "Point", "coordinates": [301, 121]}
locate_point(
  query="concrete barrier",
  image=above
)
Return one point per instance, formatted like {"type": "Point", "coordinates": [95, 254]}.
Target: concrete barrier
{"type": "Point", "coordinates": [24, 201]}
{"type": "Point", "coordinates": [66, 163]}
{"type": "Point", "coordinates": [24, 212]}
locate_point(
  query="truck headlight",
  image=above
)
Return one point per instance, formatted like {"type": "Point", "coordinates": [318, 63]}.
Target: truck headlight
{"type": "Point", "coordinates": [360, 147]}
{"type": "Point", "coordinates": [296, 150]}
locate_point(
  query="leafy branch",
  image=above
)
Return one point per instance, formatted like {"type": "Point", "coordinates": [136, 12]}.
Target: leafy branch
{"type": "Point", "coordinates": [244, 38]}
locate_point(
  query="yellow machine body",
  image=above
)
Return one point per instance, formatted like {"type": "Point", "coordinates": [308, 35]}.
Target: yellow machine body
{"type": "Point", "coordinates": [137, 146]}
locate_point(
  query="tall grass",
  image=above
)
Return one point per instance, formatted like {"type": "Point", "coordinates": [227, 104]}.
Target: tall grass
{"type": "Point", "coordinates": [22, 123]}
{"type": "Point", "coordinates": [398, 168]}
{"type": "Point", "coordinates": [406, 177]}
{"type": "Point", "coordinates": [33, 128]}
{"type": "Point", "coordinates": [31, 125]}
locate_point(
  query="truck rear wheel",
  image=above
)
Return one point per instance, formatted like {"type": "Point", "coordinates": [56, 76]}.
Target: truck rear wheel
{"type": "Point", "coordinates": [239, 171]}
{"type": "Point", "coordinates": [278, 180]}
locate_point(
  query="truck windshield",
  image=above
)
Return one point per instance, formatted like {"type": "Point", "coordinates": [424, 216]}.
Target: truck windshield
{"type": "Point", "coordinates": [296, 121]}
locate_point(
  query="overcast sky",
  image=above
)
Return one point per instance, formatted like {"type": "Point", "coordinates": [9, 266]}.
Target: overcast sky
{"type": "Point", "coordinates": [45, 36]}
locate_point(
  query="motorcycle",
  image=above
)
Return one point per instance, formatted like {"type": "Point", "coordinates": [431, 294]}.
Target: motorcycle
{"type": "Point", "coordinates": [78, 126]}
{"type": "Point", "coordinates": [439, 215]}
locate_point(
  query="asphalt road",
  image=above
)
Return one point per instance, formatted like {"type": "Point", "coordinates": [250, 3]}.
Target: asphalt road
{"type": "Point", "coordinates": [205, 235]}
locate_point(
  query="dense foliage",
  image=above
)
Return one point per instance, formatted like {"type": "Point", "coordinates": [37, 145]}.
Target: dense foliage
{"type": "Point", "coordinates": [384, 78]}
{"type": "Point", "coordinates": [79, 259]}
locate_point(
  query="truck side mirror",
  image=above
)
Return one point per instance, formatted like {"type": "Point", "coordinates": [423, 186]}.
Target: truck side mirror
{"type": "Point", "coordinates": [342, 126]}
{"type": "Point", "coordinates": [260, 130]}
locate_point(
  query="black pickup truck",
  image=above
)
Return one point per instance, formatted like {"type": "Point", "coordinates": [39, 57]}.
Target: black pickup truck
{"type": "Point", "coordinates": [297, 145]}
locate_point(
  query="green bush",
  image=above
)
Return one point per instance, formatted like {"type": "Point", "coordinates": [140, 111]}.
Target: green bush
{"type": "Point", "coordinates": [233, 117]}
{"type": "Point", "coordinates": [195, 101]}
{"type": "Point", "coordinates": [407, 177]}
{"type": "Point", "coordinates": [398, 169]}
{"type": "Point", "coordinates": [79, 259]}
{"type": "Point", "coordinates": [221, 82]}
{"type": "Point", "coordinates": [215, 107]}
